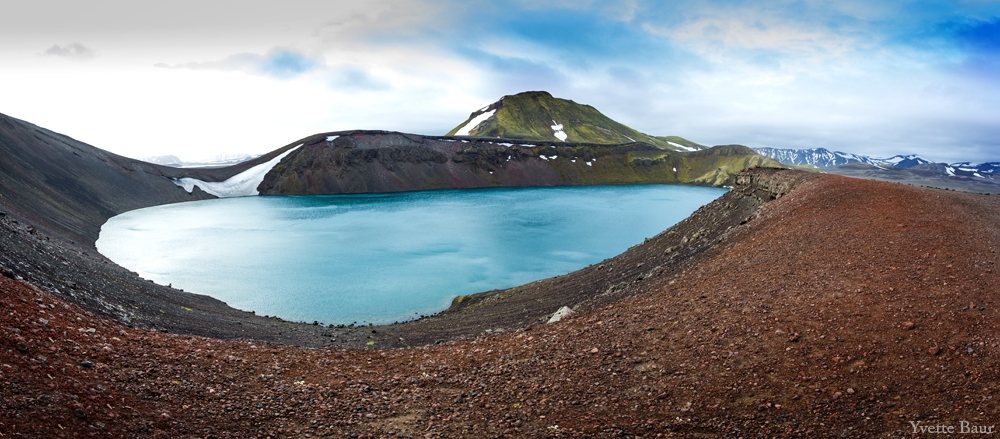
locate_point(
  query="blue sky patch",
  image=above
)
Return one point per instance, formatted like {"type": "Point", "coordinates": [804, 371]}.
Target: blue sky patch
{"type": "Point", "coordinates": [285, 64]}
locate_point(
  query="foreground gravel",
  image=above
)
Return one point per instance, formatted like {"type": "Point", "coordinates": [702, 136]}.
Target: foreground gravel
{"type": "Point", "coordinates": [844, 308]}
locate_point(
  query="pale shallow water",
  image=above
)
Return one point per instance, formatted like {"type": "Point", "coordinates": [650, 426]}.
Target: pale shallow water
{"type": "Point", "coordinates": [386, 257]}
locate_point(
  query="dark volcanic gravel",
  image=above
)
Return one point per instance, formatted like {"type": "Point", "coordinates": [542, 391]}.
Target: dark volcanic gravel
{"type": "Point", "coordinates": [845, 308]}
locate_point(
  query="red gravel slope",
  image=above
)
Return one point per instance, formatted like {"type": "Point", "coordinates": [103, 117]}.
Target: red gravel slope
{"type": "Point", "coordinates": [846, 308]}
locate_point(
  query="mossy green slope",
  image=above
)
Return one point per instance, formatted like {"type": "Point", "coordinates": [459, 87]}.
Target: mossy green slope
{"type": "Point", "coordinates": [536, 115]}
{"type": "Point", "coordinates": [710, 167]}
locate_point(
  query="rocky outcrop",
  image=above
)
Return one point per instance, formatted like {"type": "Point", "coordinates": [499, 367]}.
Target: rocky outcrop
{"type": "Point", "coordinates": [774, 181]}
{"type": "Point", "coordinates": [560, 314]}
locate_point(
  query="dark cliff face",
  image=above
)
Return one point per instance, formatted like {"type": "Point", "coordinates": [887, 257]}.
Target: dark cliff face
{"type": "Point", "coordinates": [378, 161]}
{"type": "Point", "coordinates": [72, 187]}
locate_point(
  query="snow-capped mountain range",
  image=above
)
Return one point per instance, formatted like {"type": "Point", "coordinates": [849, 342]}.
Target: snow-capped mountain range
{"type": "Point", "coordinates": [824, 158]}
{"type": "Point", "coordinates": [967, 169]}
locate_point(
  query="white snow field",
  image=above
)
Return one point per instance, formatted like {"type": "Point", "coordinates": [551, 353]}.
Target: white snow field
{"type": "Point", "coordinates": [464, 131]}
{"type": "Point", "coordinates": [243, 184]}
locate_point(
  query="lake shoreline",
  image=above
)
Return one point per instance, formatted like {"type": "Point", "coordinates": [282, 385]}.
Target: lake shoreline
{"type": "Point", "coordinates": [386, 258]}
{"type": "Point", "coordinates": [83, 276]}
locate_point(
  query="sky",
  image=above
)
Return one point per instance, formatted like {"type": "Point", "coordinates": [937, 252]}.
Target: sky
{"type": "Point", "coordinates": [197, 79]}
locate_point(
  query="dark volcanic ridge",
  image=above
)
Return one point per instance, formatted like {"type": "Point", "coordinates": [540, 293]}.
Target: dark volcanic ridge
{"type": "Point", "coordinates": [381, 161]}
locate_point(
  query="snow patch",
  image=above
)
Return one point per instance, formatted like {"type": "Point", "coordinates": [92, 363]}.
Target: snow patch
{"type": "Point", "coordinates": [590, 164]}
{"type": "Point", "coordinates": [675, 169]}
{"type": "Point", "coordinates": [243, 184]}
{"type": "Point", "coordinates": [557, 130]}
{"type": "Point", "coordinates": [472, 124]}
{"type": "Point", "coordinates": [950, 170]}
{"type": "Point", "coordinates": [331, 138]}
{"type": "Point", "coordinates": [682, 146]}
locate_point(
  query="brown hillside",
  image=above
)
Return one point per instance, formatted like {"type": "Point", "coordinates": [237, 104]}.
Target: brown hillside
{"type": "Point", "coordinates": [845, 308]}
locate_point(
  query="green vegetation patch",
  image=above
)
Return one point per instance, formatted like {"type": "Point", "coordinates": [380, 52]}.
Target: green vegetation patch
{"type": "Point", "coordinates": [537, 115]}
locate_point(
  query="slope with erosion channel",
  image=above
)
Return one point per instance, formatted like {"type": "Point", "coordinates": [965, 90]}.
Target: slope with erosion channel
{"type": "Point", "coordinates": [72, 188]}
{"type": "Point", "coordinates": [536, 115]}
{"type": "Point", "coordinates": [380, 161]}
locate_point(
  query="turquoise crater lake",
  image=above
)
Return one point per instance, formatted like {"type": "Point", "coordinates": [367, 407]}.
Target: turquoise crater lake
{"type": "Point", "coordinates": [386, 257]}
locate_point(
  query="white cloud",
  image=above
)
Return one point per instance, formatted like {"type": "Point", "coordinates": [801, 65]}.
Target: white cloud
{"type": "Point", "coordinates": [74, 51]}
{"type": "Point", "coordinates": [258, 76]}
{"type": "Point", "coordinates": [281, 63]}
{"type": "Point", "coordinates": [357, 22]}
{"type": "Point", "coordinates": [720, 36]}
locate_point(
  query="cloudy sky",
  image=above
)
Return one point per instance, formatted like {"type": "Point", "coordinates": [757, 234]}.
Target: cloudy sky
{"type": "Point", "coordinates": [199, 78]}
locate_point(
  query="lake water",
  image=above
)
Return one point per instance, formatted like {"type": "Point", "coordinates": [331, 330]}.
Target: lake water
{"type": "Point", "coordinates": [386, 257]}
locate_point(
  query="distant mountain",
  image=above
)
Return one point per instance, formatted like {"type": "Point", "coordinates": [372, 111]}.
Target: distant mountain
{"type": "Point", "coordinates": [824, 158]}
{"type": "Point", "coordinates": [536, 115]}
{"type": "Point", "coordinates": [939, 175]}
{"type": "Point", "coordinates": [165, 160]}
{"type": "Point", "coordinates": [901, 161]}
{"type": "Point", "coordinates": [968, 169]}
{"type": "Point", "coordinates": [214, 162]}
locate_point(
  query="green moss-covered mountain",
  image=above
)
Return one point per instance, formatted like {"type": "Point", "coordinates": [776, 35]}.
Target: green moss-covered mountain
{"type": "Point", "coordinates": [536, 115]}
